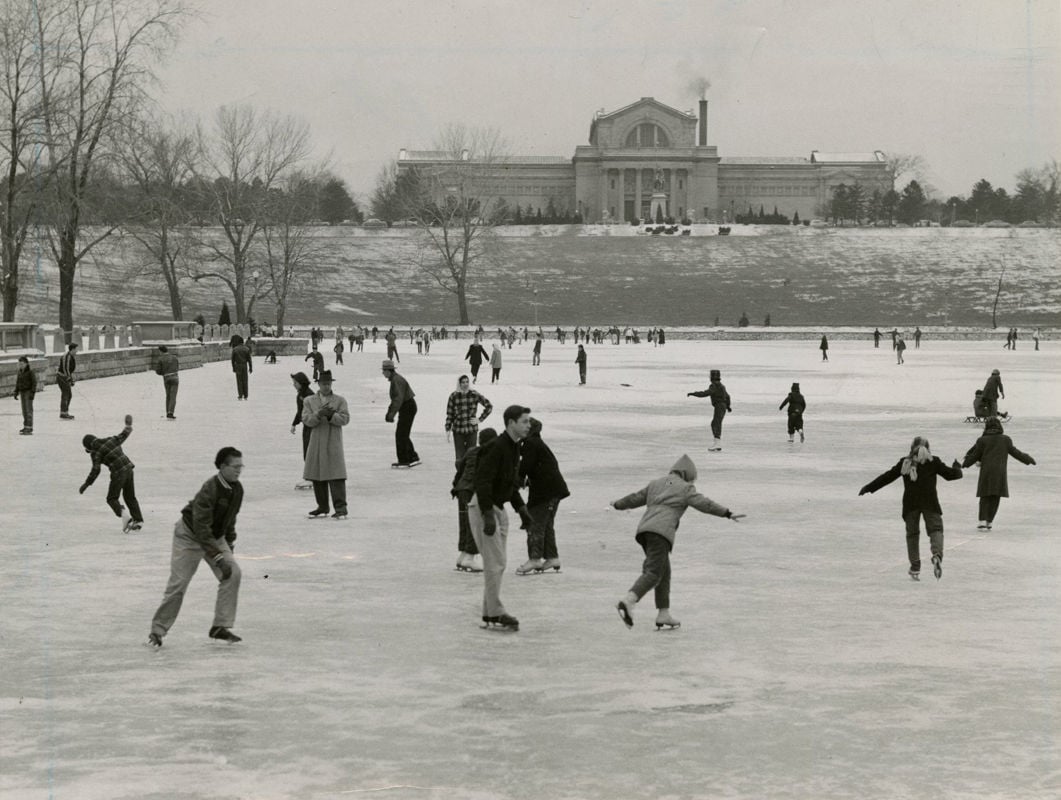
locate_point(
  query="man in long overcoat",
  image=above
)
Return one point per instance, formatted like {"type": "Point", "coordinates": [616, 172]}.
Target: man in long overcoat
{"type": "Point", "coordinates": [325, 413]}
{"type": "Point", "coordinates": [993, 450]}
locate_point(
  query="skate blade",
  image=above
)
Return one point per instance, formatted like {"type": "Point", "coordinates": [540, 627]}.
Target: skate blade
{"type": "Point", "coordinates": [500, 628]}
{"type": "Point", "coordinates": [624, 615]}
{"type": "Point", "coordinates": [466, 569]}
{"type": "Point", "coordinates": [667, 626]}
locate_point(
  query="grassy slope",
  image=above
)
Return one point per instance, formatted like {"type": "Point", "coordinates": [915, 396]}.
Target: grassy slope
{"type": "Point", "coordinates": [799, 276]}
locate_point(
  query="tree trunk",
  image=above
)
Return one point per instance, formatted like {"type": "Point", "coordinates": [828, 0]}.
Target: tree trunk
{"type": "Point", "coordinates": [280, 320]}
{"type": "Point", "coordinates": [67, 271]}
{"type": "Point", "coordinates": [462, 303]}
{"type": "Point", "coordinates": [9, 290]}
{"type": "Point", "coordinates": [170, 274]}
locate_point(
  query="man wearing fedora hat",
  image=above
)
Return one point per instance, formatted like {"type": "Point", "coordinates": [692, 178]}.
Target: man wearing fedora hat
{"type": "Point", "coordinates": [721, 403]}
{"type": "Point", "coordinates": [325, 414]}
{"type": "Point", "coordinates": [403, 405]}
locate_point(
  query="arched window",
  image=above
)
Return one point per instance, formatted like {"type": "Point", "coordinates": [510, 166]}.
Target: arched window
{"type": "Point", "coordinates": [647, 134]}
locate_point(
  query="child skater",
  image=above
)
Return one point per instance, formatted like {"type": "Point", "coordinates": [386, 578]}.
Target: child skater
{"type": "Point", "coordinates": [797, 404]}
{"type": "Point", "coordinates": [919, 470]}
{"type": "Point", "coordinates": [665, 500]}
{"type": "Point", "coordinates": [108, 452]}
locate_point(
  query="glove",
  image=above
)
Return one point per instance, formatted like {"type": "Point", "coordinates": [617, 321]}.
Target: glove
{"type": "Point", "coordinates": [483, 416]}
{"type": "Point", "coordinates": [1031, 461]}
{"type": "Point", "coordinates": [489, 524]}
{"type": "Point", "coordinates": [863, 491]}
{"type": "Point", "coordinates": [82, 489]}
{"type": "Point", "coordinates": [688, 394]}
{"type": "Point", "coordinates": [729, 409]}
{"type": "Point", "coordinates": [326, 412]}
{"type": "Point", "coordinates": [224, 566]}
{"type": "Point", "coordinates": [389, 417]}
{"type": "Point", "coordinates": [955, 465]}
{"type": "Point", "coordinates": [735, 517]}
{"type": "Point", "coordinates": [527, 519]}
{"type": "Point", "coordinates": [128, 419]}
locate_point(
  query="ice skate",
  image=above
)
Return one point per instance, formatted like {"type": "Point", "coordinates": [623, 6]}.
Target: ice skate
{"type": "Point", "coordinates": [416, 462]}
{"type": "Point", "coordinates": [66, 416]}
{"type": "Point", "coordinates": [304, 485]}
{"type": "Point", "coordinates": [339, 515]}
{"type": "Point", "coordinates": [716, 446]}
{"type": "Point", "coordinates": [551, 564]}
{"type": "Point", "coordinates": [224, 635]}
{"type": "Point", "coordinates": [26, 432]}
{"type": "Point", "coordinates": [529, 566]}
{"type": "Point", "coordinates": [665, 620]}
{"type": "Point", "coordinates": [937, 566]}
{"type": "Point", "coordinates": [915, 574]}
{"type": "Point", "coordinates": [318, 513]}
{"type": "Point", "coordinates": [134, 526]}
{"type": "Point", "coordinates": [154, 641]}
{"type": "Point", "coordinates": [802, 438]}
{"type": "Point", "coordinates": [466, 563]}
{"type": "Point", "coordinates": [982, 525]}
{"type": "Point", "coordinates": [127, 522]}
{"type": "Point", "coordinates": [790, 440]}
{"type": "Point", "coordinates": [625, 607]}
{"type": "Point", "coordinates": [504, 622]}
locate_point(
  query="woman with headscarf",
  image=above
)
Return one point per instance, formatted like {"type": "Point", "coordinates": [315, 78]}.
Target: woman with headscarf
{"type": "Point", "coordinates": [918, 471]}
{"type": "Point", "coordinates": [992, 451]}
{"type": "Point", "coordinates": [495, 364]}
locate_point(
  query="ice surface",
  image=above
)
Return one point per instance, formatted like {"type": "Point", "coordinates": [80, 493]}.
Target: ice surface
{"type": "Point", "coordinates": [807, 664]}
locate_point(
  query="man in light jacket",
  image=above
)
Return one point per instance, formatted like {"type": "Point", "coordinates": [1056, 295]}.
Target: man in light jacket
{"type": "Point", "coordinates": [325, 413]}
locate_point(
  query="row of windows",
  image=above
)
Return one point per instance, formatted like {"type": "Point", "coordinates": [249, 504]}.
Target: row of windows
{"type": "Point", "coordinates": [808, 190]}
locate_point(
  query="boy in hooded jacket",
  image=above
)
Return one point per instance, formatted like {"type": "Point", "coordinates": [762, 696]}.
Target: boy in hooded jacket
{"type": "Point", "coordinates": [665, 500]}
{"type": "Point", "coordinates": [797, 404]}
{"type": "Point", "coordinates": [918, 471]}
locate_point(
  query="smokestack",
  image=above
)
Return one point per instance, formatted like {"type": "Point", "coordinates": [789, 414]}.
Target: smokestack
{"type": "Point", "coordinates": [703, 123]}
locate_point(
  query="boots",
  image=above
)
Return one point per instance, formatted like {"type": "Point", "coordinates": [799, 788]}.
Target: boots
{"type": "Point", "coordinates": [665, 620]}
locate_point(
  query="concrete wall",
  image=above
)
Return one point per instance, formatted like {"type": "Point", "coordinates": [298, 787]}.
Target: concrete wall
{"type": "Point", "coordinates": [122, 361]}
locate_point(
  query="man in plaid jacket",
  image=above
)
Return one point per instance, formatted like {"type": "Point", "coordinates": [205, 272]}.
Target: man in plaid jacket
{"type": "Point", "coordinates": [461, 418]}
{"type": "Point", "coordinates": [108, 452]}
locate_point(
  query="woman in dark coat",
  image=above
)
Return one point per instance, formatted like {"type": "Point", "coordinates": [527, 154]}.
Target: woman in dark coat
{"type": "Point", "coordinates": [992, 450]}
{"type": "Point", "coordinates": [302, 391]}
{"type": "Point", "coordinates": [824, 347]}
{"type": "Point", "coordinates": [918, 471]}
{"type": "Point", "coordinates": [475, 356]}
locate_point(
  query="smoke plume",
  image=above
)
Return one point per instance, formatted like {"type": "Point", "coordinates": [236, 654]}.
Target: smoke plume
{"type": "Point", "coordinates": [698, 86]}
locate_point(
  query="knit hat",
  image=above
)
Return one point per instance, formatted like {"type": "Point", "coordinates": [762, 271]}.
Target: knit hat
{"type": "Point", "coordinates": [487, 435]}
{"type": "Point", "coordinates": [89, 441]}
{"type": "Point", "coordinates": [995, 372]}
{"type": "Point", "coordinates": [795, 387]}
{"type": "Point", "coordinates": [388, 364]}
{"type": "Point", "coordinates": [716, 375]}
{"type": "Point", "coordinates": [685, 467]}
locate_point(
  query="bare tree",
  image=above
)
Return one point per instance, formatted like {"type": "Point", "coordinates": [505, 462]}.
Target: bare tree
{"type": "Point", "coordinates": [22, 176]}
{"type": "Point", "coordinates": [903, 165]}
{"type": "Point", "coordinates": [291, 249]}
{"type": "Point", "coordinates": [94, 74]}
{"type": "Point", "coordinates": [248, 157]}
{"type": "Point", "coordinates": [160, 159]}
{"type": "Point", "coordinates": [454, 204]}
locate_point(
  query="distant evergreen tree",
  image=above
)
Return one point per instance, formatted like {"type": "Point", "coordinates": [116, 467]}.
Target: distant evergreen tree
{"type": "Point", "coordinates": [795, 218]}
{"type": "Point", "coordinates": [659, 215]}
{"type": "Point", "coordinates": [538, 216]}
{"type": "Point", "coordinates": [518, 219]}
{"type": "Point", "coordinates": [225, 318]}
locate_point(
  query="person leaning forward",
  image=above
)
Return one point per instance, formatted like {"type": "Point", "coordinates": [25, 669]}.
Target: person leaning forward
{"type": "Point", "coordinates": [496, 483]}
{"type": "Point", "coordinates": [206, 531]}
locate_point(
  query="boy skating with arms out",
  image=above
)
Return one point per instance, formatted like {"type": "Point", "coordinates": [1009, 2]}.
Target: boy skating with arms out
{"type": "Point", "coordinates": [665, 500]}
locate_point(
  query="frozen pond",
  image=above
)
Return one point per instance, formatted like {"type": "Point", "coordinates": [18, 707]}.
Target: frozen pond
{"type": "Point", "coordinates": [807, 666]}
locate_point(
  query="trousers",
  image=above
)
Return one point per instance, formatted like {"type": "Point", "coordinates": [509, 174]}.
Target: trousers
{"type": "Point", "coordinates": [122, 485]}
{"type": "Point", "coordinates": [655, 571]}
{"type": "Point", "coordinates": [541, 537]}
{"type": "Point", "coordinates": [494, 551]}
{"type": "Point", "coordinates": [403, 443]}
{"type": "Point", "coordinates": [184, 561]}
{"type": "Point", "coordinates": [171, 382]}
{"type": "Point", "coordinates": [338, 492]}
{"type": "Point", "coordinates": [934, 529]}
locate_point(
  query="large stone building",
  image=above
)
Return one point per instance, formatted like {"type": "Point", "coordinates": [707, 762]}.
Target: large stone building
{"type": "Point", "coordinates": [648, 154]}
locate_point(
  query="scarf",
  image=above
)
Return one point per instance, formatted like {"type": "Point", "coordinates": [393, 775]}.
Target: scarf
{"type": "Point", "coordinates": [918, 455]}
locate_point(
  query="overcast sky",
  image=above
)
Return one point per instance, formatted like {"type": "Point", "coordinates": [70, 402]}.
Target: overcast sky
{"type": "Point", "coordinates": [973, 86]}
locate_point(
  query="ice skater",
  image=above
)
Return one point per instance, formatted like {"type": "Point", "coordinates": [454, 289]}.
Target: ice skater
{"type": "Point", "coordinates": [402, 405]}
{"type": "Point", "coordinates": [476, 355]}
{"type": "Point", "coordinates": [318, 362]}
{"type": "Point", "coordinates": [919, 470]}
{"type": "Point", "coordinates": [64, 376]}
{"type": "Point", "coordinates": [993, 390]}
{"type": "Point", "coordinates": [496, 476]}
{"type": "Point", "coordinates": [461, 421]}
{"type": "Point", "coordinates": [108, 452]}
{"type": "Point", "coordinates": [169, 368]}
{"type": "Point", "coordinates": [338, 350]}
{"type": "Point", "coordinates": [242, 365]}
{"type": "Point", "coordinates": [495, 363]}
{"type": "Point", "coordinates": [665, 500]}
{"type": "Point", "coordinates": [206, 531]}
{"type": "Point", "coordinates": [824, 347]}
{"type": "Point", "coordinates": [536, 357]}
{"type": "Point", "coordinates": [325, 413]}
{"type": "Point", "coordinates": [302, 390]}
{"type": "Point", "coordinates": [539, 470]}
{"type": "Point", "coordinates": [992, 450]}
{"type": "Point", "coordinates": [720, 402]}
{"type": "Point", "coordinates": [468, 559]}
{"type": "Point", "coordinates": [797, 404]}
{"type": "Point", "coordinates": [900, 348]}
{"type": "Point", "coordinates": [580, 359]}
{"type": "Point", "coordinates": [25, 391]}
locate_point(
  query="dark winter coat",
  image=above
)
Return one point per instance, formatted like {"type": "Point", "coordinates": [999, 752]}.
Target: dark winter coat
{"type": "Point", "coordinates": [241, 358]}
{"type": "Point", "coordinates": [919, 495]}
{"type": "Point", "coordinates": [796, 403]}
{"type": "Point", "coordinates": [538, 465]}
{"type": "Point", "coordinates": [300, 398]}
{"type": "Point", "coordinates": [464, 479]}
{"type": "Point", "coordinates": [497, 474]}
{"type": "Point", "coordinates": [25, 381]}
{"type": "Point", "coordinates": [718, 394]}
{"type": "Point", "coordinates": [993, 388]}
{"type": "Point", "coordinates": [476, 355]}
{"type": "Point", "coordinates": [992, 450]}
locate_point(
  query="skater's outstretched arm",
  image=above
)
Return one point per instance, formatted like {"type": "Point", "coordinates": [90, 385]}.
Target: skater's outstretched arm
{"type": "Point", "coordinates": [882, 480]}
{"type": "Point", "coordinates": [633, 500]}
{"type": "Point", "coordinates": [1021, 456]}
{"type": "Point", "coordinates": [705, 504]}
{"type": "Point", "coordinates": [974, 454]}
{"type": "Point", "coordinates": [704, 393]}
{"type": "Point", "coordinates": [951, 473]}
